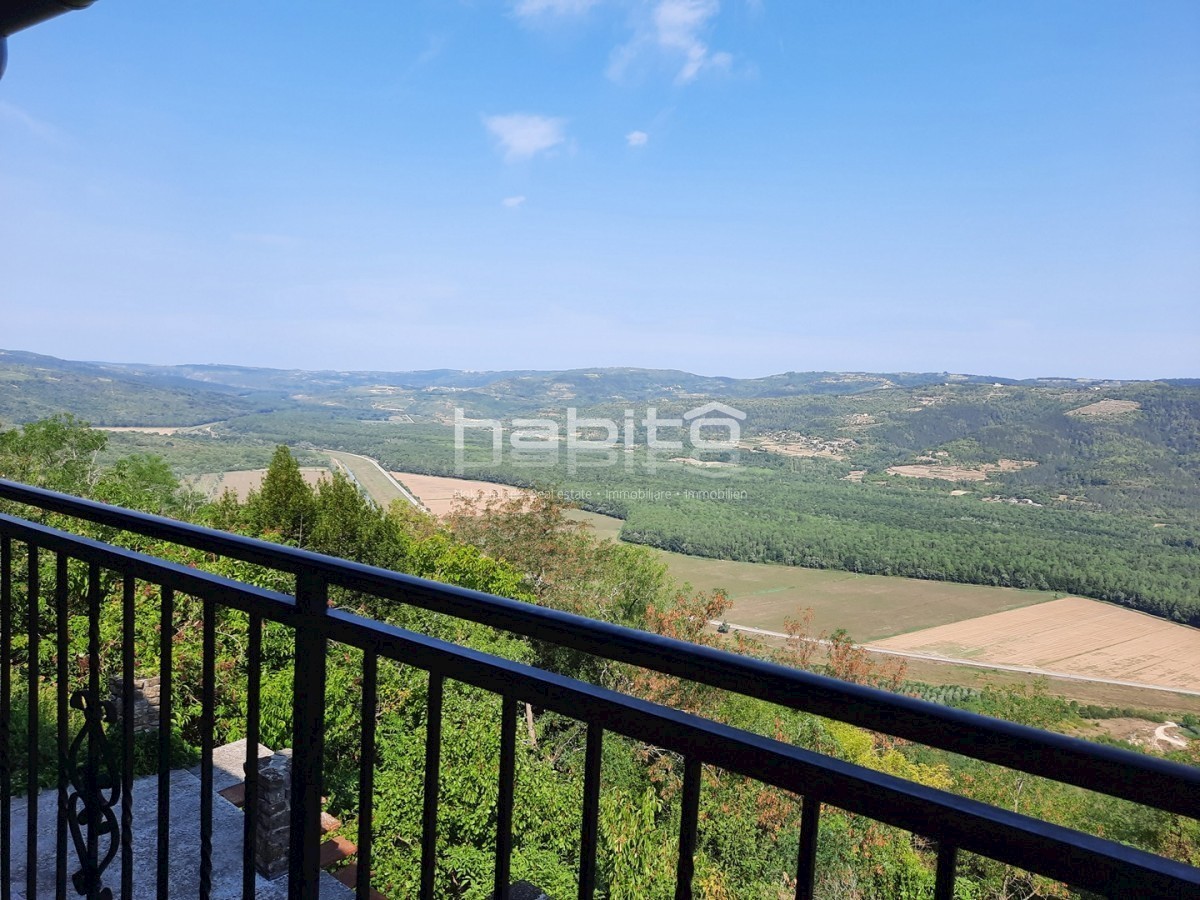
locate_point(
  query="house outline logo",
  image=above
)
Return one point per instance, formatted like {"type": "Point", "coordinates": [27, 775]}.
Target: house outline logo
{"type": "Point", "coordinates": [730, 418]}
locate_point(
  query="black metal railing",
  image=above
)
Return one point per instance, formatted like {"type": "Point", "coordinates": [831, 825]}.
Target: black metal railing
{"type": "Point", "coordinates": [87, 796]}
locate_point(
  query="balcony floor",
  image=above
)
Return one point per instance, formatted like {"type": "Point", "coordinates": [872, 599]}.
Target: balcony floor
{"type": "Point", "coordinates": [185, 846]}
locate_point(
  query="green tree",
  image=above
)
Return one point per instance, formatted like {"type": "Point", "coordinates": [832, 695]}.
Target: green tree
{"type": "Point", "coordinates": [57, 453]}
{"type": "Point", "coordinates": [285, 503]}
{"type": "Point", "coordinates": [145, 482]}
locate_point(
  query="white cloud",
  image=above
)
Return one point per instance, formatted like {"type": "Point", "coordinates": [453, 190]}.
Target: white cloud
{"type": "Point", "coordinates": [637, 138]}
{"type": "Point", "coordinates": [678, 24]}
{"type": "Point", "coordinates": [513, 202]}
{"type": "Point", "coordinates": [523, 136]}
{"type": "Point", "coordinates": [676, 29]}
{"type": "Point", "coordinates": [553, 7]}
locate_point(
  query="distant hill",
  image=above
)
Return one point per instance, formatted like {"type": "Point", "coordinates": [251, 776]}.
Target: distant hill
{"type": "Point", "coordinates": [307, 381]}
{"type": "Point", "coordinates": [34, 386]}
{"type": "Point", "coordinates": [108, 393]}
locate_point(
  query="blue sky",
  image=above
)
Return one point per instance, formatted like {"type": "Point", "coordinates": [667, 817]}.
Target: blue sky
{"type": "Point", "coordinates": [732, 187]}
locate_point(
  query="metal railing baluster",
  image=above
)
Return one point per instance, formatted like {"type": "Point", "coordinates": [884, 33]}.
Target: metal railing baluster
{"type": "Point", "coordinates": [33, 590]}
{"type": "Point", "coordinates": [504, 798]}
{"type": "Point", "coordinates": [207, 704]}
{"type": "Point", "coordinates": [589, 831]}
{"type": "Point", "coordinates": [91, 778]}
{"type": "Point", "coordinates": [253, 712]}
{"type": "Point", "coordinates": [61, 649]}
{"type": "Point", "coordinates": [689, 815]}
{"type": "Point", "coordinates": [947, 864]}
{"type": "Point", "coordinates": [5, 718]}
{"type": "Point", "coordinates": [806, 860]}
{"type": "Point", "coordinates": [366, 775]}
{"type": "Point", "coordinates": [166, 644]}
{"type": "Point", "coordinates": [127, 663]}
{"type": "Point", "coordinates": [308, 736]}
{"type": "Point", "coordinates": [433, 766]}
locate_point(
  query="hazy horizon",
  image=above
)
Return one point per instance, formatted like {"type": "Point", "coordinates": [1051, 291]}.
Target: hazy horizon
{"type": "Point", "coordinates": [585, 368]}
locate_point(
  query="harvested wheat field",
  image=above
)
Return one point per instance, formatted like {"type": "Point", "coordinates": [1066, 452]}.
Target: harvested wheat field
{"type": "Point", "coordinates": [1074, 636]}
{"type": "Point", "coordinates": [438, 494]}
{"type": "Point", "coordinates": [961, 473]}
{"type": "Point", "coordinates": [156, 429]}
{"type": "Point", "coordinates": [1106, 409]}
{"type": "Point", "coordinates": [215, 484]}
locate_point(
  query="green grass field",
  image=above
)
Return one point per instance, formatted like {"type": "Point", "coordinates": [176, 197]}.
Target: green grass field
{"type": "Point", "coordinates": [368, 475]}
{"type": "Point", "coordinates": [870, 607]}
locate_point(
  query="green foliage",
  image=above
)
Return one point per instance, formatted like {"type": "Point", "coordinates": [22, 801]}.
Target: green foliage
{"type": "Point", "coordinates": [285, 502]}
{"type": "Point", "coordinates": [144, 482]}
{"type": "Point", "coordinates": [631, 838]}
{"type": "Point", "coordinates": [945, 694]}
{"type": "Point", "coordinates": [58, 453]}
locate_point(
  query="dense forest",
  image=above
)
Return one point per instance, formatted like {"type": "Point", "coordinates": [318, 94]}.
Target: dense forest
{"type": "Point", "coordinates": [748, 833]}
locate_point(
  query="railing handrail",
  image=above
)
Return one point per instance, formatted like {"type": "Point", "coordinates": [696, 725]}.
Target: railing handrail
{"type": "Point", "coordinates": [1146, 780]}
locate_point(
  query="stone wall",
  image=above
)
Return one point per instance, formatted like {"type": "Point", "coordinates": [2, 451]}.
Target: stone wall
{"type": "Point", "coordinates": [145, 701]}
{"type": "Point", "coordinates": [274, 814]}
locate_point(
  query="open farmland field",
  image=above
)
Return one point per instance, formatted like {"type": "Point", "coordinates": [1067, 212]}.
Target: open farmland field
{"type": "Point", "coordinates": [1106, 409]}
{"type": "Point", "coordinates": [167, 430]}
{"type": "Point", "coordinates": [438, 495]}
{"type": "Point", "coordinates": [764, 596]}
{"type": "Point", "coordinates": [982, 675]}
{"type": "Point", "coordinates": [371, 477]}
{"type": "Point", "coordinates": [214, 484]}
{"type": "Point", "coordinates": [869, 607]}
{"type": "Point", "coordinates": [1072, 635]}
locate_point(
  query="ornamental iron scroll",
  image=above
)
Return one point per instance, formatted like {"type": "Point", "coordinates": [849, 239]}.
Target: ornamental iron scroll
{"type": "Point", "coordinates": [94, 774]}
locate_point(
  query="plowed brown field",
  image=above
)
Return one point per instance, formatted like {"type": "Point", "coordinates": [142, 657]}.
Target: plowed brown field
{"type": "Point", "coordinates": [242, 483]}
{"type": "Point", "coordinates": [439, 495]}
{"type": "Point", "coordinates": [1073, 635]}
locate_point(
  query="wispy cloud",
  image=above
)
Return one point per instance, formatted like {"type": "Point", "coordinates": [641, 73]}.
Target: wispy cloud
{"type": "Point", "coordinates": [10, 112]}
{"type": "Point", "coordinates": [514, 202]}
{"type": "Point", "coordinates": [676, 29]}
{"type": "Point", "coordinates": [434, 44]}
{"type": "Point", "coordinates": [523, 136]}
{"type": "Point", "coordinates": [637, 138]}
{"type": "Point", "coordinates": [530, 8]}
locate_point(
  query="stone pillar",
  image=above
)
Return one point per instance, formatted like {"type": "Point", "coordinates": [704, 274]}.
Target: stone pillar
{"type": "Point", "coordinates": [272, 832]}
{"type": "Point", "coordinates": [524, 890]}
{"type": "Point", "coordinates": [145, 701]}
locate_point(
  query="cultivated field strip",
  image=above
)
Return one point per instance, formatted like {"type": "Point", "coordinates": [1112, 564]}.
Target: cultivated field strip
{"type": "Point", "coordinates": [214, 484]}
{"type": "Point", "coordinates": [438, 495]}
{"type": "Point", "coordinates": [1072, 635]}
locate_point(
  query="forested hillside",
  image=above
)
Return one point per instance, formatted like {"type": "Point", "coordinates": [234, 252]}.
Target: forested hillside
{"type": "Point", "coordinates": [33, 387]}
